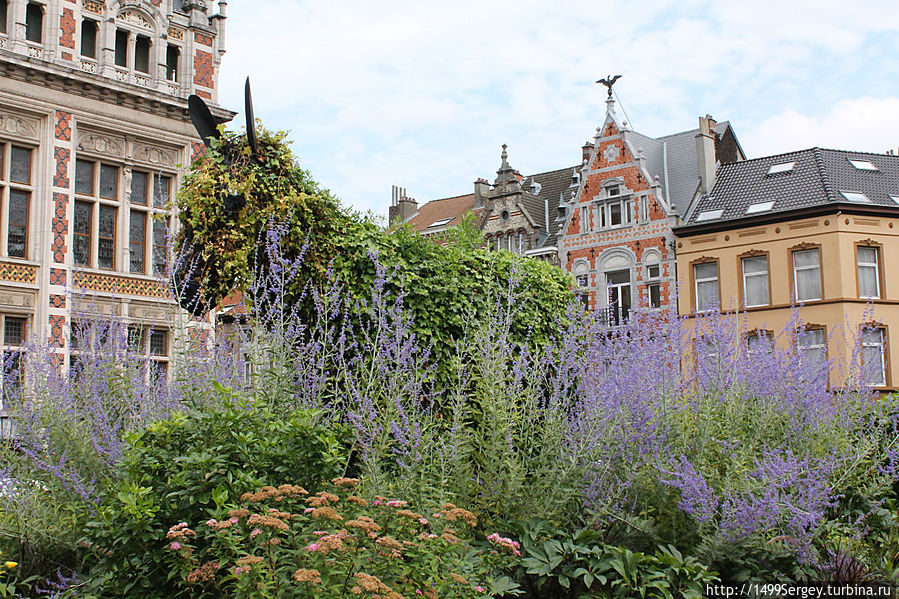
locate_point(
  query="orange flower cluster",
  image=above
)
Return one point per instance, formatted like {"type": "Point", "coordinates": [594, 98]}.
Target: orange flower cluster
{"type": "Point", "coordinates": [205, 573]}
{"type": "Point", "coordinates": [357, 500]}
{"type": "Point", "coordinates": [364, 523]}
{"type": "Point", "coordinates": [345, 483]}
{"type": "Point", "coordinates": [239, 513]}
{"type": "Point", "coordinates": [456, 513]}
{"type": "Point", "coordinates": [304, 575]}
{"type": "Point", "coordinates": [390, 543]}
{"type": "Point", "coordinates": [278, 494]}
{"type": "Point", "coordinates": [180, 531]}
{"type": "Point", "coordinates": [267, 521]}
{"type": "Point", "coordinates": [327, 513]}
{"type": "Point", "coordinates": [249, 560]}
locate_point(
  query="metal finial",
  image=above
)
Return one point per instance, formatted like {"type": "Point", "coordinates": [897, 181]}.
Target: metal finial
{"type": "Point", "coordinates": [609, 81]}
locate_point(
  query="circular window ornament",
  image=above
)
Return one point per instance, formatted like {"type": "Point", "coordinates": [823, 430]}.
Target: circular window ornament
{"type": "Point", "coordinates": [505, 215]}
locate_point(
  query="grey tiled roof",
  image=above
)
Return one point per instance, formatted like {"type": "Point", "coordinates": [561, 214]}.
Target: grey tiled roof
{"type": "Point", "coordinates": [553, 186]}
{"type": "Point", "coordinates": [681, 178]}
{"type": "Point", "coordinates": [816, 179]}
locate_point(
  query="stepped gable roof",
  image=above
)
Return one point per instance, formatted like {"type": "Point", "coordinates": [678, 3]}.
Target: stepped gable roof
{"type": "Point", "coordinates": [447, 211]}
{"type": "Point", "coordinates": [763, 188]}
{"type": "Point", "coordinates": [680, 179]}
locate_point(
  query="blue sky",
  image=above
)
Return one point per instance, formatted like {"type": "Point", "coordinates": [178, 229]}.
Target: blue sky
{"type": "Point", "coordinates": [423, 94]}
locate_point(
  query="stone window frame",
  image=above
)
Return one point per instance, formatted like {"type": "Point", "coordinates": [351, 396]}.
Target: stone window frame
{"type": "Point", "coordinates": [4, 32]}
{"type": "Point", "coordinates": [601, 206]}
{"type": "Point", "coordinates": [652, 258]}
{"type": "Point", "coordinates": [12, 352]}
{"type": "Point", "coordinates": [157, 40]}
{"type": "Point", "coordinates": [98, 45]}
{"type": "Point", "coordinates": [142, 346]}
{"type": "Point", "coordinates": [42, 7]}
{"type": "Point", "coordinates": [7, 186]}
{"type": "Point", "coordinates": [154, 213]}
{"type": "Point", "coordinates": [98, 202]}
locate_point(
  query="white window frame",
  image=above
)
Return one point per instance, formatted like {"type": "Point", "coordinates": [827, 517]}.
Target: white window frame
{"type": "Point", "coordinates": [879, 343]}
{"type": "Point", "coordinates": [875, 265]}
{"type": "Point", "coordinates": [806, 345]}
{"type": "Point", "coordinates": [705, 280]}
{"type": "Point", "coordinates": [747, 276]}
{"type": "Point", "coordinates": [797, 269]}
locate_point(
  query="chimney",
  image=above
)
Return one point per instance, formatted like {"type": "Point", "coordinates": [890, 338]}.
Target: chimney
{"type": "Point", "coordinates": [705, 153]}
{"type": "Point", "coordinates": [481, 189]}
{"type": "Point", "coordinates": [402, 207]}
{"type": "Point", "coordinates": [586, 150]}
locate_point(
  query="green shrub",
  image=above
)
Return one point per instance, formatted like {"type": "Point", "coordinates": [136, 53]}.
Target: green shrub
{"type": "Point", "coordinates": [187, 468]}
{"type": "Point", "coordinates": [559, 564]}
{"type": "Point", "coordinates": [286, 542]}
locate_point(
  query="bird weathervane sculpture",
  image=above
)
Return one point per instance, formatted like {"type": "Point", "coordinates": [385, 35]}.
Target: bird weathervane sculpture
{"type": "Point", "coordinates": [609, 81]}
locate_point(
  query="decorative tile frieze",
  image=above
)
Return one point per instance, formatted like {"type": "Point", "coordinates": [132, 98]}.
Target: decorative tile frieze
{"type": "Point", "coordinates": [93, 6]}
{"type": "Point", "coordinates": [90, 281]}
{"type": "Point", "coordinates": [18, 273]}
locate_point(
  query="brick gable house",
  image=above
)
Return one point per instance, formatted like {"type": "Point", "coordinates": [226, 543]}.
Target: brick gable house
{"type": "Point", "coordinates": [632, 190]}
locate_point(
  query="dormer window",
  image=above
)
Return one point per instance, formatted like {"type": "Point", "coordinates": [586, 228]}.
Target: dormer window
{"type": "Point", "coordinates": [862, 165]}
{"type": "Point", "coordinates": [613, 191]}
{"type": "Point", "coordinates": [783, 167]}
{"type": "Point", "coordinates": [34, 23]}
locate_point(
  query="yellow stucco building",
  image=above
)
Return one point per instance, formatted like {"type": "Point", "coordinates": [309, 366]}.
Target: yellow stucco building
{"type": "Point", "coordinates": [817, 229]}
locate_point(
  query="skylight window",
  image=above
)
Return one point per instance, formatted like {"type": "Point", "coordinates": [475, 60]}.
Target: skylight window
{"type": "Point", "coordinates": [441, 222]}
{"type": "Point", "coordinates": [895, 198]}
{"type": "Point", "coordinates": [709, 215]}
{"type": "Point", "coordinates": [863, 165]}
{"type": "Point", "coordinates": [783, 167]}
{"type": "Point", "coordinates": [760, 207]}
{"type": "Point", "coordinates": [854, 196]}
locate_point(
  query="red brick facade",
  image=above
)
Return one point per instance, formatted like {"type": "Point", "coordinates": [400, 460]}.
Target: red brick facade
{"type": "Point", "coordinates": [67, 30]}
{"type": "Point", "coordinates": [204, 74]}
{"type": "Point", "coordinates": [614, 176]}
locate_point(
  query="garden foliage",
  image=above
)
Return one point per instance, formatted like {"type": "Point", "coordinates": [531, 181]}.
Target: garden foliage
{"type": "Point", "coordinates": [657, 455]}
{"type": "Point", "coordinates": [445, 285]}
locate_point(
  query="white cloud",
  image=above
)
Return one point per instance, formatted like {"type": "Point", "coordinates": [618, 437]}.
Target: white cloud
{"type": "Point", "coordinates": [422, 95]}
{"type": "Point", "coordinates": [863, 124]}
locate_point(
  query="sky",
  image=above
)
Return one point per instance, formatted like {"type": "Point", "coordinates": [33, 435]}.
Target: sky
{"type": "Point", "coordinates": [423, 94]}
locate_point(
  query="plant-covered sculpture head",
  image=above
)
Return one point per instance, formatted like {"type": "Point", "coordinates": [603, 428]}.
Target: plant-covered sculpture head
{"type": "Point", "coordinates": [242, 183]}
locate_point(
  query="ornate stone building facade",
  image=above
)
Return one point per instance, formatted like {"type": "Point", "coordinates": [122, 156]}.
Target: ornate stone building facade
{"type": "Point", "coordinates": [94, 140]}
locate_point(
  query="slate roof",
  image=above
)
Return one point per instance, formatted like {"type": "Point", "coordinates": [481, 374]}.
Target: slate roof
{"type": "Point", "coordinates": [554, 186]}
{"type": "Point", "coordinates": [681, 177]}
{"type": "Point", "coordinates": [817, 179]}
{"type": "Point", "coordinates": [436, 210]}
